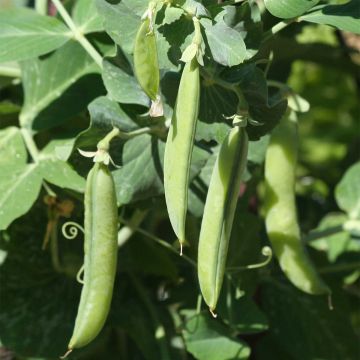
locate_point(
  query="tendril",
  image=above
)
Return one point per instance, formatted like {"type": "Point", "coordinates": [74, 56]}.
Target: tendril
{"type": "Point", "coordinates": [71, 229]}
{"type": "Point", "coordinates": [265, 251]}
{"type": "Point", "coordinates": [78, 275]}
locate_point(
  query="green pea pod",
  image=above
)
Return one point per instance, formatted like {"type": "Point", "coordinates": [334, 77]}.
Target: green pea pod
{"type": "Point", "coordinates": [281, 217]}
{"type": "Point", "coordinates": [219, 213]}
{"type": "Point", "coordinates": [146, 60]}
{"type": "Point", "coordinates": [179, 146]}
{"type": "Point", "coordinates": [100, 247]}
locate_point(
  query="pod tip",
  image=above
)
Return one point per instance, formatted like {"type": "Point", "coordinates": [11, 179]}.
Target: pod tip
{"type": "Point", "coordinates": [214, 315]}
{"type": "Point", "coordinates": [66, 354]}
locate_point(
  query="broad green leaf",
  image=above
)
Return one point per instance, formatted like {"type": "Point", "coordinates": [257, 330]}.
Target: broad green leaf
{"type": "Point", "coordinates": [61, 174]}
{"type": "Point", "coordinates": [336, 244]}
{"type": "Point", "coordinates": [45, 80]}
{"type": "Point", "coordinates": [209, 132]}
{"type": "Point", "coordinates": [226, 44]}
{"type": "Point", "coordinates": [344, 17]}
{"type": "Point", "coordinates": [18, 191]}
{"type": "Point", "coordinates": [59, 149]}
{"type": "Point", "coordinates": [347, 192]}
{"type": "Point", "coordinates": [289, 8]}
{"type": "Point", "coordinates": [86, 17]}
{"type": "Point", "coordinates": [121, 86]}
{"type": "Point", "coordinates": [242, 314]}
{"type": "Point", "coordinates": [304, 327]}
{"type": "Point", "coordinates": [208, 339]}
{"type": "Point", "coordinates": [12, 149]}
{"type": "Point", "coordinates": [257, 150]}
{"type": "Point", "coordinates": [104, 113]}
{"type": "Point", "coordinates": [24, 34]}
{"type": "Point", "coordinates": [172, 14]}
{"type": "Point", "coordinates": [141, 175]}
{"type": "Point", "coordinates": [122, 32]}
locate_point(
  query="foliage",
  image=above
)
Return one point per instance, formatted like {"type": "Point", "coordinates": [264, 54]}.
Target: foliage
{"type": "Point", "coordinates": [67, 78]}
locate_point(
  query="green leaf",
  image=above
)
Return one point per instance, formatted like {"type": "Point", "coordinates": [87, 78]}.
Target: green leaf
{"type": "Point", "coordinates": [347, 192]}
{"type": "Point", "coordinates": [257, 150]}
{"type": "Point", "coordinates": [242, 314]}
{"type": "Point", "coordinates": [44, 81]}
{"type": "Point", "coordinates": [61, 174]}
{"type": "Point", "coordinates": [141, 175]}
{"type": "Point", "coordinates": [121, 86]}
{"type": "Point", "coordinates": [12, 149]}
{"type": "Point", "coordinates": [303, 326]}
{"type": "Point", "coordinates": [226, 44]}
{"type": "Point", "coordinates": [24, 34]}
{"type": "Point", "coordinates": [18, 191]}
{"type": "Point", "coordinates": [336, 244]}
{"type": "Point", "coordinates": [289, 8]}
{"type": "Point", "coordinates": [105, 114]}
{"type": "Point", "coordinates": [208, 339]}
{"type": "Point", "coordinates": [122, 32]}
{"type": "Point", "coordinates": [344, 17]}
{"type": "Point", "coordinates": [86, 17]}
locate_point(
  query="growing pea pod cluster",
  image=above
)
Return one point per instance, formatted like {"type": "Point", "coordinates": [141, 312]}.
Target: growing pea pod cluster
{"type": "Point", "coordinates": [101, 213]}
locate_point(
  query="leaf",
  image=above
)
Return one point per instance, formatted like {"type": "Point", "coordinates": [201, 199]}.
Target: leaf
{"type": "Point", "coordinates": [208, 339]}
{"type": "Point", "coordinates": [105, 114]}
{"type": "Point", "coordinates": [122, 32]}
{"type": "Point", "coordinates": [44, 81]}
{"type": "Point", "coordinates": [336, 244]}
{"type": "Point", "coordinates": [61, 174]}
{"type": "Point", "coordinates": [257, 150]}
{"type": "Point", "coordinates": [86, 17]}
{"type": "Point", "coordinates": [289, 8]}
{"type": "Point", "coordinates": [303, 326]}
{"type": "Point", "coordinates": [243, 314]}
{"type": "Point", "coordinates": [226, 44]}
{"type": "Point", "coordinates": [347, 192]}
{"type": "Point", "coordinates": [141, 175]}
{"type": "Point", "coordinates": [18, 191]}
{"type": "Point", "coordinates": [12, 149]}
{"type": "Point", "coordinates": [24, 34]}
{"type": "Point", "coordinates": [344, 17]}
{"type": "Point", "coordinates": [121, 86]}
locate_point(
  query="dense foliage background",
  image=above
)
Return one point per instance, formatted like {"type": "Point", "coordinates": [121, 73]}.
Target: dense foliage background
{"type": "Point", "coordinates": [57, 94]}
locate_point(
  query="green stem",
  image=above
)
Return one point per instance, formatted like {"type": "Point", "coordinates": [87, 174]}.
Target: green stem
{"type": "Point", "coordinates": [104, 143]}
{"type": "Point", "coordinates": [160, 334]}
{"type": "Point", "coordinates": [78, 35]}
{"type": "Point", "coordinates": [340, 268]}
{"type": "Point", "coordinates": [41, 6]}
{"type": "Point", "coordinates": [126, 232]}
{"type": "Point", "coordinates": [34, 153]}
{"type": "Point", "coordinates": [314, 235]}
{"type": "Point", "coordinates": [277, 28]}
{"type": "Point", "coordinates": [10, 71]}
{"type": "Point", "coordinates": [160, 242]}
{"type": "Point", "coordinates": [55, 250]}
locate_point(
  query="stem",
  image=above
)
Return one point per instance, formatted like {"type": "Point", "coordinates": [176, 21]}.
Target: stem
{"type": "Point", "coordinates": [126, 232]}
{"type": "Point", "coordinates": [34, 153]}
{"type": "Point", "coordinates": [10, 71]}
{"type": "Point", "coordinates": [41, 6]}
{"type": "Point", "coordinates": [55, 249]}
{"type": "Point", "coordinates": [323, 233]}
{"type": "Point", "coordinates": [339, 268]}
{"type": "Point", "coordinates": [104, 143]}
{"type": "Point", "coordinates": [30, 144]}
{"type": "Point", "coordinates": [160, 242]}
{"type": "Point", "coordinates": [197, 36]}
{"type": "Point", "coordinates": [78, 35]}
{"type": "Point", "coordinates": [278, 27]}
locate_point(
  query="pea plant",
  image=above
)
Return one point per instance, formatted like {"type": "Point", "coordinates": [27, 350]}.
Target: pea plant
{"type": "Point", "coordinates": [179, 179]}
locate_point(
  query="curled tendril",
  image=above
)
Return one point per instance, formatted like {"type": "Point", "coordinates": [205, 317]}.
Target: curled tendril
{"type": "Point", "coordinates": [78, 275]}
{"type": "Point", "coordinates": [71, 229]}
{"type": "Point", "coordinates": [265, 251]}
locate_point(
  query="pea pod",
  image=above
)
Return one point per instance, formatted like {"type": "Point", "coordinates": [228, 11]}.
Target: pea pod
{"type": "Point", "coordinates": [219, 213]}
{"type": "Point", "coordinates": [281, 217]}
{"type": "Point", "coordinates": [100, 249]}
{"type": "Point", "coordinates": [179, 146]}
{"type": "Point", "coordinates": [146, 60]}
